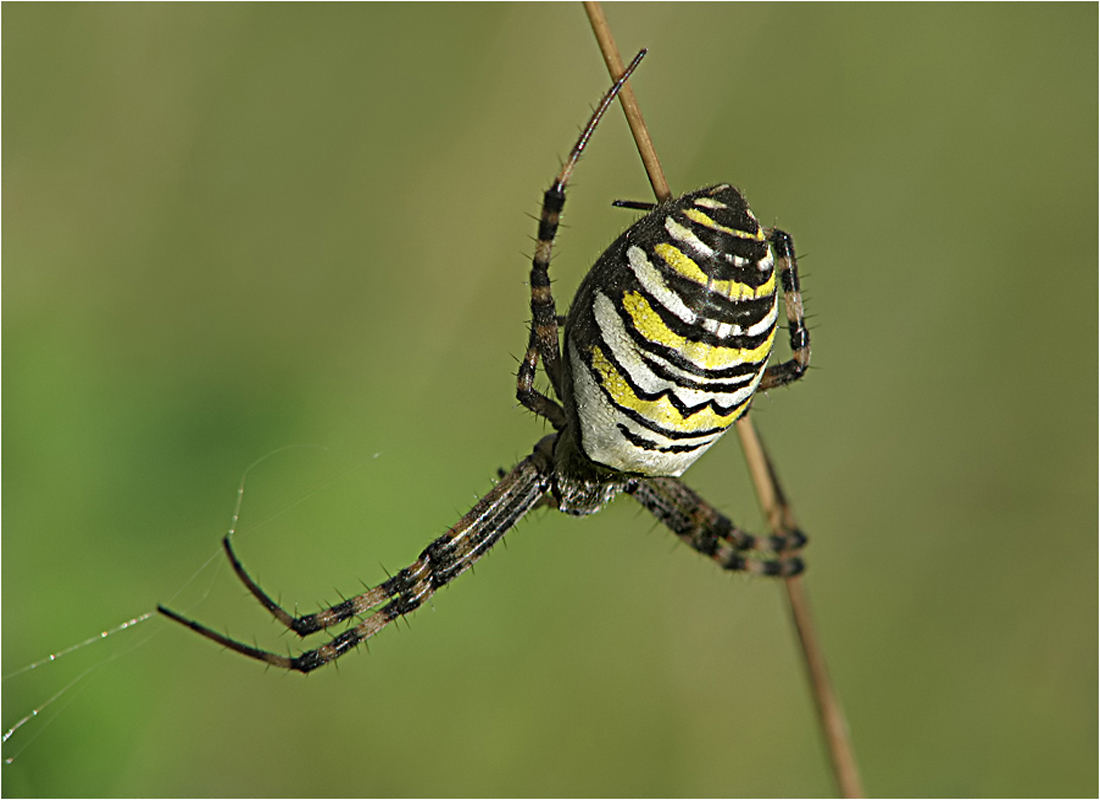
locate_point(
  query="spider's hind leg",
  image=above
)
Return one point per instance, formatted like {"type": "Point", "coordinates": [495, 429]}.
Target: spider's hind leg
{"type": "Point", "coordinates": [799, 337]}
{"type": "Point", "coordinates": [637, 205]}
{"type": "Point", "coordinates": [543, 341]}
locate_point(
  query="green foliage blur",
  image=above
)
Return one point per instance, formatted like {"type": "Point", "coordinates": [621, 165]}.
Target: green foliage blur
{"type": "Point", "coordinates": [231, 229]}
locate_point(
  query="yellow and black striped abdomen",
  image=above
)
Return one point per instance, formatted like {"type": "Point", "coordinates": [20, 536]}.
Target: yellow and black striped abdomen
{"type": "Point", "coordinates": [669, 334]}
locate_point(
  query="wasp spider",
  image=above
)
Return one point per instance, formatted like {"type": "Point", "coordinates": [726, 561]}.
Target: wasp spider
{"type": "Point", "coordinates": [665, 344]}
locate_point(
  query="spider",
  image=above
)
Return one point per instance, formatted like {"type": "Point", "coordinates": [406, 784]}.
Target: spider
{"type": "Point", "coordinates": [665, 344]}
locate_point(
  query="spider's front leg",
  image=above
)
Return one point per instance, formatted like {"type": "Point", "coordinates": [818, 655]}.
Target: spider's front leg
{"type": "Point", "coordinates": [711, 533]}
{"type": "Point", "coordinates": [441, 562]}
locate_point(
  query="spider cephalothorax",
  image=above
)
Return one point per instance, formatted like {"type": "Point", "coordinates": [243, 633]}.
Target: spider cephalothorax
{"type": "Point", "coordinates": [665, 344]}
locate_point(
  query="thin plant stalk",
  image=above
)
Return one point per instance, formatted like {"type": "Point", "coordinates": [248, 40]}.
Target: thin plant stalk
{"type": "Point", "coordinates": [768, 490]}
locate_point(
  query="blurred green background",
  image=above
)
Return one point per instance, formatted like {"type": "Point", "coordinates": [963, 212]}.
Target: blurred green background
{"type": "Point", "coordinates": [228, 229]}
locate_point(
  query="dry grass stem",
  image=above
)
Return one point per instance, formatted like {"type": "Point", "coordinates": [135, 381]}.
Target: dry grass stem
{"type": "Point", "coordinates": [768, 490]}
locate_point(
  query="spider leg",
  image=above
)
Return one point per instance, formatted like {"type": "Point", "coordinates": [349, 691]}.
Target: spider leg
{"type": "Point", "coordinates": [441, 562]}
{"type": "Point", "coordinates": [543, 341]}
{"type": "Point", "coordinates": [711, 533]}
{"type": "Point", "coordinates": [637, 205]}
{"type": "Point", "coordinates": [795, 368]}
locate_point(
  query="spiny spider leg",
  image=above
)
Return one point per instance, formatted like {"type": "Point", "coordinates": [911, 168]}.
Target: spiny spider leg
{"type": "Point", "coordinates": [309, 623]}
{"type": "Point", "coordinates": [637, 205]}
{"type": "Point", "coordinates": [441, 562]}
{"type": "Point", "coordinates": [795, 368]}
{"type": "Point", "coordinates": [543, 341]}
{"type": "Point", "coordinates": [711, 533]}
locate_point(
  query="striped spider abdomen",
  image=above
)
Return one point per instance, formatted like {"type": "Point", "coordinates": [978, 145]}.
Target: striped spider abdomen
{"type": "Point", "coordinates": [669, 335]}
